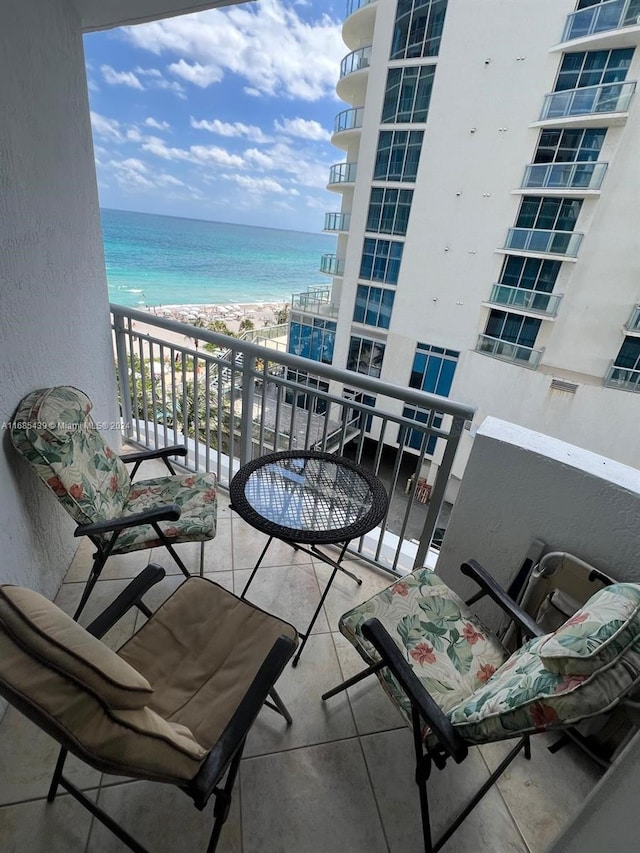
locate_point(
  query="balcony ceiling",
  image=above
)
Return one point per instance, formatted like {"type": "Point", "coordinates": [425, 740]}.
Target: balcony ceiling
{"type": "Point", "coordinates": [104, 14]}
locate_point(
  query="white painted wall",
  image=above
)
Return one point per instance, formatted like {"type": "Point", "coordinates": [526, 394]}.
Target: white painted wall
{"type": "Point", "coordinates": [54, 321]}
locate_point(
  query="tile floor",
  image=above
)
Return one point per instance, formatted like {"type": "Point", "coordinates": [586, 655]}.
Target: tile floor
{"type": "Point", "coordinates": [339, 779]}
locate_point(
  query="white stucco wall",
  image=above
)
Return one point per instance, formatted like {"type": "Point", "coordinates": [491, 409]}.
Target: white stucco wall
{"type": "Point", "coordinates": [54, 322]}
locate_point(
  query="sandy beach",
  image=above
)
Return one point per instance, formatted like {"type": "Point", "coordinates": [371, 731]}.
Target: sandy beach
{"type": "Point", "coordinates": [261, 314]}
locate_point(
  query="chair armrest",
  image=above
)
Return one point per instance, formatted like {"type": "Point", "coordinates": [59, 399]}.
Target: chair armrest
{"type": "Point", "coordinates": [374, 631]}
{"type": "Point", "coordinates": [159, 453]}
{"type": "Point", "coordinates": [168, 512]}
{"type": "Point", "coordinates": [490, 587]}
{"type": "Point", "coordinates": [128, 598]}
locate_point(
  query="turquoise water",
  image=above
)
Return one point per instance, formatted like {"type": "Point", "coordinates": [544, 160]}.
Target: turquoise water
{"type": "Point", "coordinates": [163, 260]}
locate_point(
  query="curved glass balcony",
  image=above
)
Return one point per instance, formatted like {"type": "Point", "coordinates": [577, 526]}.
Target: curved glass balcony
{"type": "Point", "coordinates": [331, 264]}
{"type": "Point", "coordinates": [357, 60]}
{"type": "Point", "coordinates": [578, 175]}
{"type": "Point", "coordinates": [623, 378]}
{"type": "Point", "coordinates": [543, 242]}
{"type": "Point", "coordinates": [315, 300]}
{"type": "Point", "coordinates": [589, 100]}
{"type": "Point", "coordinates": [348, 119]}
{"type": "Point", "coordinates": [516, 353]}
{"type": "Point", "coordinates": [342, 173]}
{"type": "Point", "coordinates": [525, 299]}
{"type": "Point", "coordinates": [354, 5]}
{"type": "Point", "coordinates": [613, 15]}
{"type": "Point", "coordinates": [633, 323]}
{"type": "Point", "coordinates": [337, 221]}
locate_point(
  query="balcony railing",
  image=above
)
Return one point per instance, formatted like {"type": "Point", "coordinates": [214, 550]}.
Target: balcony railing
{"type": "Point", "coordinates": [527, 300]}
{"type": "Point", "coordinates": [343, 173]}
{"type": "Point", "coordinates": [354, 5]}
{"type": "Point", "coordinates": [623, 378]}
{"type": "Point", "coordinates": [316, 300]}
{"type": "Point", "coordinates": [633, 323]}
{"type": "Point", "coordinates": [337, 221]}
{"type": "Point", "coordinates": [228, 401]}
{"type": "Point", "coordinates": [357, 60]}
{"type": "Point", "coordinates": [349, 119]}
{"type": "Point", "coordinates": [518, 354]}
{"type": "Point", "coordinates": [331, 264]}
{"type": "Point", "coordinates": [543, 242]}
{"type": "Point", "coordinates": [589, 100]}
{"type": "Point", "coordinates": [613, 15]}
{"type": "Point", "coordinates": [578, 175]}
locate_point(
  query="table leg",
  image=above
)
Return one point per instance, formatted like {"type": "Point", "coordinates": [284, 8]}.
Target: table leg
{"type": "Point", "coordinates": [305, 637]}
{"type": "Point", "coordinates": [256, 567]}
{"type": "Point", "coordinates": [338, 562]}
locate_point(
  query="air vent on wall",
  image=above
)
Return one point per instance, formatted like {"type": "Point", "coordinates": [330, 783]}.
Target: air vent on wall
{"type": "Point", "coordinates": [562, 385]}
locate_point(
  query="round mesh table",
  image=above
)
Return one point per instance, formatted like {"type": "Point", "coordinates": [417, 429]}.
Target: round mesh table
{"type": "Point", "coordinates": [308, 498]}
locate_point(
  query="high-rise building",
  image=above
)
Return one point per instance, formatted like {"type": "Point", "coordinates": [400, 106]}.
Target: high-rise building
{"type": "Point", "coordinates": [489, 229]}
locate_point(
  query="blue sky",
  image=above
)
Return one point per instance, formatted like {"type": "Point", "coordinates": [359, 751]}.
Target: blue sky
{"type": "Point", "coordinates": [222, 115]}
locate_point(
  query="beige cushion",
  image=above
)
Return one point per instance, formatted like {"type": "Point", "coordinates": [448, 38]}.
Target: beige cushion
{"type": "Point", "coordinates": [45, 632]}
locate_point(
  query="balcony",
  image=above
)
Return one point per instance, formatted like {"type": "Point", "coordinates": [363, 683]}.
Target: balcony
{"type": "Point", "coordinates": [525, 301]}
{"type": "Point", "coordinates": [352, 82]}
{"type": "Point", "coordinates": [359, 22]}
{"type": "Point", "coordinates": [339, 222]}
{"type": "Point", "coordinates": [601, 24]}
{"type": "Point", "coordinates": [342, 174]}
{"type": "Point", "coordinates": [604, 105]}
{"type": "Point", "coordinates": [582, 177]}
{"type": "Point", "coordinates": [622, 378]}
{"type": "Point", "coordinates": [632, 326]}
{"type": "Point", "coordinates": [315, 300]}
{"type": "Point", "coordinates": [354, 5]}
{"type": "Point", "coordinates": [331, 264]}
{"type": "Point", "coordinates": [538, 241]}
{"type": "Point", "coordinates": [506, 351]}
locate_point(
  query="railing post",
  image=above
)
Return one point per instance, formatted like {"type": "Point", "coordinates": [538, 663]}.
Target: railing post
{"type": "Point", "coordinates": [123, 373]}
{"type": "Point", "coordinates": [246, 418]}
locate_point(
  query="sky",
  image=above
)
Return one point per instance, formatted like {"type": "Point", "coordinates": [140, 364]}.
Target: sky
{"type": "Point", "coordinates": [223, 115]}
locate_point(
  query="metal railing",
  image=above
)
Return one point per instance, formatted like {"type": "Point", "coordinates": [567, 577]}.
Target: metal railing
{"type": "Point", "coordinates": [357, 60]}
{"type": "Point", "coordinates": [589, 100]}
{"type": "Point", "coordinates": [316, 300]}
{"type": "Point", "coordinates": [331, 264]}
{"type": "Point", "coordinates": [516, 353]}
{"type": "Point", "coordinates": [544, 242]}
{"type": "Point", "coordinates": [354, 5]}
{"type": "Point", "coordinates": [343, 173]}
{"type": "Point", "coordinates": [633, 323]}
{"type": "Point", "coordinates": [613, 15]}
{"type": "Point", "coordinates": [350, 119]}
{"type": "Point", "coordinates": [228, 401]}
{"type": "Point", "coordinates": [622, 377]}
{"type": "Point", "coordinates": [337, 221]}
{"type": "Point", "coordinates": [526, 299]}
{"type": "Point", "coordinates": [578, 175]}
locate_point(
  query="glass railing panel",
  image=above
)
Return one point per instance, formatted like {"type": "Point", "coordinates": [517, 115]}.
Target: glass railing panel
{"type": "Point", "coordinates": [622, 377]}
{"type": "Point", "coordinates": [544, 242]}
{"type": "Point", "coordinates": [337, 221]}
{"type": "Point", "coordinates": [342, 173]}
{"type": "Point", "coordinates": [349, 119]}
{"type": "Point", "coordinates": [331, 264]}
{"type": "Point", "coordinates": [589, 100]}
{"type": "Point", "coordinates": [598, 19]}
{"type": "Point", "coordinates": [579, 175]}
{"type": "Point", "coordinates": [633, 323]}
{"type": "Point", "coordinates": [526, 356]}
{"type": "Point", "coordinates": [528, 300]}
{"type": "Point", "coordinates": [354, 5]}
{"type": "Point", "coordinates": [357, 60]}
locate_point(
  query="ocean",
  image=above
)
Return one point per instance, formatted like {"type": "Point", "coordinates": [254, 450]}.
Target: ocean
{"type": "Point", "coordinates": [164, 260]}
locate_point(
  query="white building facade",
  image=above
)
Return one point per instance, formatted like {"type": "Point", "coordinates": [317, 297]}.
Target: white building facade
{"type": "Point", "coordinates": [488, 231]}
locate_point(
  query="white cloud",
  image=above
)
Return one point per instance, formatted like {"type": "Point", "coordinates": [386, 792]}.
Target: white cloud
{"type": "Point", "coordinates": [303, 128]}
{"type": "Point", "coordinates": [120, 78]}
{"type": "Point", "coordinates": [107, 128]}
{"type": "Point", "coordinates": [155, 79]}
{"type": "Point", "coordinates": [257, 185]}
{"type": "Point", "coordinates": [236, 128]}
{"type": "Point", "coordinates": [216, 155]}
{"type": "Point", "coordinates": [134, 176]}
{"type": "Point", "coordinates": [158, 125]}
{"type": "Point", "coordinates": [258, 158]}
{"type": "Point", "coordinates": [134, 135]}
{"type": "Point", "coordinates": [269, 46]}
{"type": "Point", "coordinates": [157, 146]}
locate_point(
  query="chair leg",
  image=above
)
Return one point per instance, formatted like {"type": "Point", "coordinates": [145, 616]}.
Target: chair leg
{"type": "Point", "coordinates": [202, 559]}
{"type": "Point", "coordinates": [57, 775]}
{"type": "Point", "coordinates": [278, 705]}
{"type": "Point", "coordinates": [222, 804]}
{"type": "Point", "coordinates": [99, 559]}
{"type": "Point", "coordinates": [353, 680]}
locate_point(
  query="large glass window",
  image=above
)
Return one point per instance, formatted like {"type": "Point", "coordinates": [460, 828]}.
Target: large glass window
{"type": "Point", "coordinates": [415, 438]}
{"type": "Point", "coordinates": [433, 369]}
{"type": "Point", "coordinates": [591, 68]}
{"type": "Point", "coordinates": [398, 155]}
{"type": "Point", "coordinates": [313, 339]}
{"type": "Point", "coordinates": [548, 214]}
{"type": "Point", "coordinates": [570, 145]}
{"type": "Point", "coordinates": [365, 356]}
{"type": "Point", "coordinates": [512, 328]}
{"type": "Point", "coordinates": [530, 273]}
{"type": "Point", "coordinates": [381, 260]}
{"type": "Point", "coordinates": [373, 306]}
{"type": "Point", "coordinates": [408, 92]}
{"type": "Point", "coordinates": [418, 28]}
{"type": "Point", "coordinates": [389, 210]}
{"type": "Point", "coordinates": [629, 355]}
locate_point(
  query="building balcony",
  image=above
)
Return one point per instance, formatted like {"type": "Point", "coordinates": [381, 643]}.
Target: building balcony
{"type": "Point", "coordinates": [616, 22]}
{"type": "Point", "coordinates": [347, 124]}
{"type": "Point", "coordinates": [632, 326]}
{"type": "Point", "coordinates": [352, 82]}
{"type": "Point", "coordinates": [342, 175]}
{"type": "Point", "coordinates": [537, 241]}
{"type": "Point", "coordinates": [354, 6]}
{"type": "Point", "coordinates": [580, 177]}
{"type": "Point", "coordinates": [604, 105]}
{"type": "Point", "coordinates": [339, 222]}
{"type": "Point", "coordinates": [316, 301]}
{"type": "Point", "coordinates": [331, 264]}
{"type": "Point", "coordinates": [622, 378]}
{"type": "Point", "coordinates": [359, 22]}
{"type": "Point", "coordinates": [506, 351]}
{"type": "Point", "coordinates": [525, 301]}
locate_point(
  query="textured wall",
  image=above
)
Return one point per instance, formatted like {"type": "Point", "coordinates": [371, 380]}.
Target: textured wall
{"type": "Point", "coordinates": [54, 323]}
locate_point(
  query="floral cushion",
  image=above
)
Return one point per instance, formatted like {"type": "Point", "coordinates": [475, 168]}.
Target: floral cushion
{"type": "Point", "coordinates": [195, 494]}
{"type": "Point", "coordinates": [597, 634]}
{"type": "Point", "coordinates": [446, 645]}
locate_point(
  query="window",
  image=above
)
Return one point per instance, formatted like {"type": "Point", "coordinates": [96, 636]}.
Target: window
{"type": "Point", "coordinates": [398, 155]}
{"type": "Point", "coordinates": [365, 356]}
{"type": "Point", "coordinates": [317, 405]}
{"type": "Point", "coordinates": [631, 16]}
{"type": "Point", "coordinates": [408, 92]}
{"type": "Point", "coordinates": [592, 68]}
{"type": "Point", "coordinates": [629, 355]}
{"type": "Point", "coordinates": [512, 328]}
{"type": "Point", "coordinates": [365, 419]}
{"type": "Point", "coordinates": [569, 145]}
{"type": "Point", "coordinates": [414, 438]}
{"type": "Point", "coordinates": [389, 211]}
{"type": "Point", "coordinates": [433, 369]}
{"type": "Point", "coordinates": [530, 273]}
{"type": "Point", "coordinates": [381, 260]}
{"type": "Point", "coordinates": [373, 306]}
{"type": "Point", "coordinates": [313, 340]}
{"type": "Point", "coordinates": [548, 214]}
{"type": "Point", "coordinates": [418, 28]}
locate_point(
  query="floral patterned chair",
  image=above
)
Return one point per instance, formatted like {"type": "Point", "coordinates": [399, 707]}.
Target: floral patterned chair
{"type": "Point", "coordinates": [53, 429]}
{"type": "Point", "coordinates": [458, 686]}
